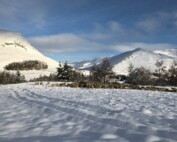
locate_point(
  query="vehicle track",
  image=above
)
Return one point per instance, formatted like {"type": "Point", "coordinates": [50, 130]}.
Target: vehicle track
{"type": "Point", "coordinates": [72, 111]}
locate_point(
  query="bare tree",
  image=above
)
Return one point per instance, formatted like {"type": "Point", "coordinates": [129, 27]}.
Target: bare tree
{"type": "Point", "coordinates": [95, 75]}
{"type": "Point", "coordinates": [102, 72]}
{"type": "Point", "coordinates": [160, 73]}
{"type": "Point", "coordinates": [106, 70]}
{"type": "Point", "coordinates": [172, 74]}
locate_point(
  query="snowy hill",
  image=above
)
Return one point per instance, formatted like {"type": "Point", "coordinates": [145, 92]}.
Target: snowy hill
{"type": "Point", "coordinates": [168, 52]}
{"type": "Point", "coordinates": [15, 48]}
{"type": "Point", "coordinates": [87, 63]}
{"type": "Point", "coordinates": [138, 57]}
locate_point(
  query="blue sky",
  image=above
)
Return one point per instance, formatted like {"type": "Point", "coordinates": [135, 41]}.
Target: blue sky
{"type": "Point", "coordinates": [77, 30]}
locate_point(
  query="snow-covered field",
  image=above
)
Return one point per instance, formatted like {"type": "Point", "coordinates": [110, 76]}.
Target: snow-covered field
{"type": "Point", "coordinates": [32, 113]}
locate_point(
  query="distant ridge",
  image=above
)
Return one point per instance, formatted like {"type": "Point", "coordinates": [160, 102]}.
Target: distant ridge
{"type": "Point", "coordinates": [138, 57]}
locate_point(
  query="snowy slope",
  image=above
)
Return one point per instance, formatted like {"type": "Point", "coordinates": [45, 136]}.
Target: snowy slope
{"type": "Point", "coordinates": [168, 52]}
{"type": "Point", "coordinates": [15, 48]}
{"type": "Point", "coordinates": [30, 113]}
{"type": "Point", "coordinates": [138, 57]}
{"type": "Point", "coordinates": [87, 63]}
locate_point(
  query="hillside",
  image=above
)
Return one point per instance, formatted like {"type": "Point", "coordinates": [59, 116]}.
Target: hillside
{"type": "Point", "coordinates": [138, 57]}
{"type": "Point", "coordinates": [87, 63]}
{"type": "Point", "coordinates": [167, 52]}
{"type": "Point", "coordinates": [15, 48]}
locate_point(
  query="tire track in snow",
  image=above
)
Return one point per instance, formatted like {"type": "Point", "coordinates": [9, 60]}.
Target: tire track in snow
{"type": "Point", "coordinates": [124, 129]}
{"type": "Point", "coordinates": [76, 113]}
{"type": "Point", "coordinates": [68, 103]}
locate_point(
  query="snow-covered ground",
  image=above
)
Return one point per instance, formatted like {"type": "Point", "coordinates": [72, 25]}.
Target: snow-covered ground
{"type": "Point", "coordinates": [33, 113]}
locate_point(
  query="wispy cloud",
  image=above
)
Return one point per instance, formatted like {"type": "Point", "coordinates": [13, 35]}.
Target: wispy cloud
{"type": "Point", "coordinates": [158, 22]}
{"type": "Point", "coordinates": [70, 43]}
{"type": "Point", "coordinates": [112, 36]}
{"type": "Point", "coordinates": [113, 31]}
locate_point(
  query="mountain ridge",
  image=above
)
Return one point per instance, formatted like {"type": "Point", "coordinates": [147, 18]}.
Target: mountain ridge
{"type": "Point", "coordinates": [139, 57]}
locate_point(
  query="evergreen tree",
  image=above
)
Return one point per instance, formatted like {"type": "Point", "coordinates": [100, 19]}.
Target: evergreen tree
{"type": "Point", "coordinates": [19, 78]}
{"type": "Point", "coordinates": [59, 72]}
{"type": "Point", "coordinates": [67, 72]}
{"type": "Point", "coordinates": [64, 73]}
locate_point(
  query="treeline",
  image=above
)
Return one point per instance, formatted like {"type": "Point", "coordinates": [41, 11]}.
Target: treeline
{"type": "Point", "coordinates": [10, 78]}
{"type": "Point", "coordinates": [27, 65]}
{"type": "Point", "coordinates": [162, 76]}
{"type": "Point", "coordinates": [103, 74]}
{"type": "Point", "coordinates": [65, 73]}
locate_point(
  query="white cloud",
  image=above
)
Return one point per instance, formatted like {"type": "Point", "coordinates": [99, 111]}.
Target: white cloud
{"type": "Point", "coordinates": [112, 36]}
{"type": "Point", "coordinates": [149, 25]}
{"type": "Point", "coordinates": [159, 21]}
{"type": "Point", "coordinates": [65, 43]}
{"type": "Point", "coordinates": [113, 31]}
{"type": "Point", "coordinates": [71, 43]}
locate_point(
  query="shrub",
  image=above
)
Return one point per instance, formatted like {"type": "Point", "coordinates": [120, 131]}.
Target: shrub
{"type": "Point", "coordinates": [140, 76]}
{"type": "Point", "coordinates": [10, 78]}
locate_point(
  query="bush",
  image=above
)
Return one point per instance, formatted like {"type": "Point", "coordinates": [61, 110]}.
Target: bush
{"type": "Point", "coordinates": [140, 76]}
{"type": "Point", "coordinates": [27, 65]}
{"type": "Point", "coordinates": [10, 78]}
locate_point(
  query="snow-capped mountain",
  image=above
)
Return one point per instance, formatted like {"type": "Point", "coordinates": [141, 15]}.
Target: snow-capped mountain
{"type": "Point", "coordinates": [15, 48]}
{"type": "Point", "coordinates": [139, 58]}
{"type": "Point", "coordinates": [87, 63]}
{"type": "Point", "coordinates": [168, 52]}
